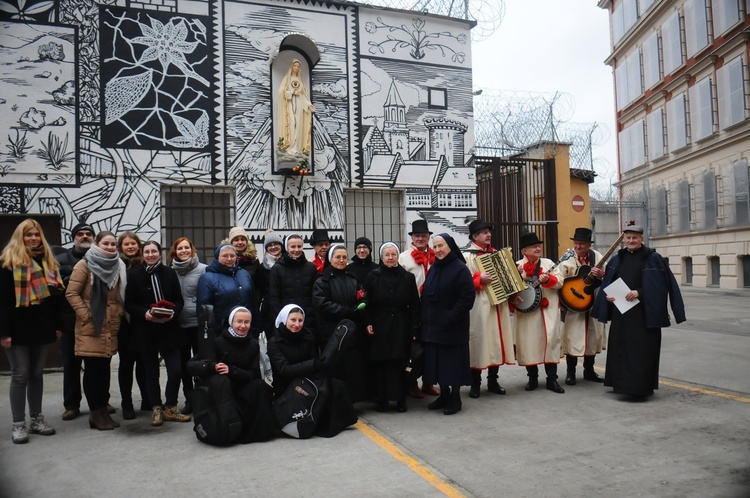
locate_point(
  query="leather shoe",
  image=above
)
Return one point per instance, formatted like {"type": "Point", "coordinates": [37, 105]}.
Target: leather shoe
{"type": "Point", "coordinates": [452, 409]}
{"type": "Point", "coordinates": [401, 406]}
{"type": "Point", "coordinates": [439, 403]}
{"type": "Point", "coordinates": [496, 388]}
{"type": "Point", "coordinates": [415, 391]}
{"type": "Point", "coordinates": [592, 376]}
{"type": "Point", "coordinates": [128, 413]}
{"type": "Point", "coordinates": [431, 390]}
{"type": "Point", "coordinates": [111, 409]}
{"type": "Point", "coordinates": [553, 386]}
{"type": "Point", "coordinates": [570, 379]}
{"type": "Point", "coordinates": [532, 384]}
{"type": "Point", "coordinates": [474, 391]}
{"type": "Point", "coordinates": [71, 413]}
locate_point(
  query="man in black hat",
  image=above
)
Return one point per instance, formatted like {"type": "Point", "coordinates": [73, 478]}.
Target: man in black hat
{"type": "Point", "coordinates": [634, 346]}
{"type": "Point", "coordinates": [490, 332]}
{"type": "Point", "coordinates": [320, 242]}
{"type": "Point", "coordinates": [582, 335]}
{"type": "Point", "coordinates": [536, 332]}
{"type": "Point", "coordinates": [83, 237]}
{"type": "Point", "coordinates": [417, 260]}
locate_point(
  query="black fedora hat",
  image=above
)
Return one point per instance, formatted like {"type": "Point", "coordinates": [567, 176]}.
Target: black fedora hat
{"type": "Point", "coordinates": [477, 225]}
{"type": "Point", "coordinates": [419, 226]}
{"type": "Point", "coordinates": [582, 235]}
{"type": "Point", "coordinates": [529, 239]}
{"type": "Point", "coordinates": [319, 235]}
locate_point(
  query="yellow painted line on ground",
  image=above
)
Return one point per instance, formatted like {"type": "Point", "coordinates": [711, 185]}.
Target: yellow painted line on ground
{"type": "Point", "coordinates": [416, 467]}
{"type": "Point", "coordinates": [708, 392]}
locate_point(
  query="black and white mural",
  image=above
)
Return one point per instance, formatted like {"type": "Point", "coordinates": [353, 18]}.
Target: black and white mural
{"type": "Point", "coordinates": [107, 101]}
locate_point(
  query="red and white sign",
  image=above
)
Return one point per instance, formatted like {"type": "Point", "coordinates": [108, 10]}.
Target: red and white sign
{"type": "Point", "coordinates": [578, 203]}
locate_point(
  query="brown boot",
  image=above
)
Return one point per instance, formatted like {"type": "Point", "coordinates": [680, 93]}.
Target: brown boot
{"type": "Point", "coordinates": [156, 416]}
{"type": "Point", "coordinates": [98, 421]}
{"type": "Point", "coordinates": [106, 413]}
{"type": "Point", "coordinates": [173, 414]}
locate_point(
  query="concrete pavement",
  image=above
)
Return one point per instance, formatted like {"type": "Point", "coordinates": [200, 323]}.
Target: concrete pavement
{"type": "Point", "coordinates": [691, 439]}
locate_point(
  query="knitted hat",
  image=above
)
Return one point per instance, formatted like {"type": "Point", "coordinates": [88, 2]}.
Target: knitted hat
{"type": "Point", "coordinates": [272, 237]}
{"type": "Point", "coordinates": [363, 241]}
{"type": "Point", "coordinates": [236, 232]}
{"type": "Point", "coordinates": [82, 226]}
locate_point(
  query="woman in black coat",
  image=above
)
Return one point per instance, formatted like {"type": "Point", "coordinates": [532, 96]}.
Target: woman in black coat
{"type": "Point", "coordinates": [447, 297]}
{"type": "Point", "coordinates": [292, 279]}
{"type": "Point", "coordinates": [336, 296]}
{"type": "Point", "coordinates": [362, 263]}
{"type": "Point", "coordinates": [236, 354]}
{"type": "Point", "coordinates": [150, 286]}
{"type": "Point", "coordinates": [294, 353]}
{"type": "Point", "coordinates": [393, 322]}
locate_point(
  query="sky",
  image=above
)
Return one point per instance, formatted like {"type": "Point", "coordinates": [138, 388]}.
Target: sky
{"type": "Point", "coordinates": [555, 46]}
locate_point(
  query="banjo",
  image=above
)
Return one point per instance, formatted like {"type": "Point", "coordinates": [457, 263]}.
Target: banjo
{"type": "Point", "coordinates": [531, 298]}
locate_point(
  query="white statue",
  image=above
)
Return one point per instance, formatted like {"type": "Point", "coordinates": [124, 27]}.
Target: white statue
{"type": "Point", "coordinates": [295, 113]}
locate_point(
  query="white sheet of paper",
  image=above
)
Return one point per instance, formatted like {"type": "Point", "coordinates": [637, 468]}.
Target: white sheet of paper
{"type": "Point", "coordinates": [618, 289]}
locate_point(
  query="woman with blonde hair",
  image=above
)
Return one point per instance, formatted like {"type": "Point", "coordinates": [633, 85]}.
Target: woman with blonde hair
{"type": "Point", "coordinates": [31, 311]}
{"type": "Point", "coordinates": [96, 292]}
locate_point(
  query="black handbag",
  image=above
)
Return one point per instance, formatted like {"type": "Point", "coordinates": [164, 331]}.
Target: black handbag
{"type": "Point", "coordinates": [415, 364]}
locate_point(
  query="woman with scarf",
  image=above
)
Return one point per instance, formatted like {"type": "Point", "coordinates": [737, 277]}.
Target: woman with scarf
{"type": "Point", "coordinates": [294, 353]}
{"type": "Point", "coordinates": [31, 311]}
{"type": "Point", "coordinates": [362, 263]}
{"type": "Point", "coordinates": [96, 292]}
{"type": "Point", "coordinates": [151, 287]}
{"type": "Point", "coordinates": [247, 254]}
{"type": "Point", "coordinates": [337, 295]}
{"type": "Point", "coordinates": [447, 298]}
{"type": "Point", "coordinates": [393, 322]}
{"type": "Point", "coordinates": [292, 279]}
{"type": "Point", "coordinates": [225, 285]}
{"type": "Point", "coordinates": [272, 250]}
{"type": "Point", "coordinates": [236, 354]}
{"type": "Point", "coordinates": [130, 247]}
{"type": "Point", "coordinates": [183, 259]}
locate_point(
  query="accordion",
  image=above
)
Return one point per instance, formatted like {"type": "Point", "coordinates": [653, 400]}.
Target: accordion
{"type": "Point", "coordinates": [506, 280]}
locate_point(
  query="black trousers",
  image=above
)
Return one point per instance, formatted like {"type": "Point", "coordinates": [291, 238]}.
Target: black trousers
{"type": "Point", "coordinates": [96, 377]}
{"type": "Point", "coordinates": [572, 361]}
{"type": "Point", "coordinates": [71, 371]}
{"type": "Point", "coordinates": [549, 368]}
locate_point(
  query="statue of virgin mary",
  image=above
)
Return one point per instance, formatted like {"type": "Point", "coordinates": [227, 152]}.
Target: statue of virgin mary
{"type": "Point", "coordinates": [295, 113]}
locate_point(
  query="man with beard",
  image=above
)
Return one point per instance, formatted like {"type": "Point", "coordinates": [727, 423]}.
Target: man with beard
{"type": "Point", "coordinates": [83, 238]}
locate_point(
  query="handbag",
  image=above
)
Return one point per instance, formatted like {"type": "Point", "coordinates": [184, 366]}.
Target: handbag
{"type": "Point", "coordinates": [415, 364]}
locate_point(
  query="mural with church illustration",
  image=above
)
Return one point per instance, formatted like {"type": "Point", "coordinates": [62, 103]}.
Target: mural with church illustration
{"type": "Point", "coordinates": [113, 109]}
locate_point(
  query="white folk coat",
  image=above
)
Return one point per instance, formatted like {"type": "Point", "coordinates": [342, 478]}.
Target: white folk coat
{"type": "Point", "coordinates": [406, 260]}
{"type": "Point", "coordinates": [582, 335]}
{"type": "Point", "coordinates": [490, 330]}
{"type": "Point", "coordinates": [538, 334]}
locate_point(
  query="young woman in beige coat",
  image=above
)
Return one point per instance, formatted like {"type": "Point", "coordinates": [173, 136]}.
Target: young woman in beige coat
{"type": "Point", "coordinates": [96, 292]}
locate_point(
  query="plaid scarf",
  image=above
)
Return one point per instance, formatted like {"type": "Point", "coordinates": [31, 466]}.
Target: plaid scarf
{"type": "Point", "coordinates": [32, 283]}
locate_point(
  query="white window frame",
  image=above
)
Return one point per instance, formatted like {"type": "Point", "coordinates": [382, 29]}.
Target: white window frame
{"type": "Point", "coordinates": [696, 26]}
{"type": "Point", "coordinates": [725, 14]}
{"type": "Point", "coordinates": [651, 61]}
{"type": "Point", "coordinates": [632, 147]}
{"type": "Point", "coordinates": [677, 137]}
{"type": "Point", "coordinates": [671, 42]}
{"type": "Point", "coordinates": [701, 109]}
{"type": "Point", "coordinates": [655, 132]}
{"type": "Point", "coordinates": [628, 79]}
{"type": "Point", "coordinates": [730, 87]}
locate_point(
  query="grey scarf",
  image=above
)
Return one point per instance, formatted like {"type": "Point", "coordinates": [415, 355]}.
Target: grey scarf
{"type": "Point", "coordinates": [105, 268]}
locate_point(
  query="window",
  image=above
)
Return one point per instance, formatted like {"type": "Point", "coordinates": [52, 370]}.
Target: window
{"type": "Point", "coordinates": [419, 200]}
{"type": "Point", "coordinates": [714, 271]}
{"type": "Point", "coordinates": [710, 206]}
{"type": "Point", "coordinates": [701, 110]}
{"type": "Point", "coordinates": [676, 124]}
{"type": "Point", "coordinates": [683, 212]}
{"type": "Point", "coordinates": [623, 17]}
{"type": "Point", "coordinates": [726, 13]}
{"type": "Point", "coordinates": [696, 26]}
{"type": "Point", "coordinates": [659, 214]}
{"type": "Point", "coordinates": [202, 214]}
{"type": "Point", "coordinates": [731, 91]}
{"type": "Point", "coordinates": [644, 5]}
{"type": "Point", "coordinates": [651, 64]}
{"type": "Point", "coordinates": [687, 270]}
{"type": "Point", "coordinates": [736, 193]}
{"type": "Point", "coordinates": [628, 79]}
{"type": "Point", "coordinates": [455, 200]}
{"type": "Point", "coordinates": [745, 264]}
{"type": "Point", "coordinates": [671, 42]}
{"type": "Point", "coordinates": [632, 147]}
{"type": "Point", "coordinates": [655, 128]}
{"type": "Point", "coordinates": [437, 98]}
{"type": "Point", "coordinates": [376, 214]}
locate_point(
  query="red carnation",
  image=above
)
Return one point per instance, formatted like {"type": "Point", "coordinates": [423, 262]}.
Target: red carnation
{"type": "Point", "coordinates": [544, 303]}
{"type": "Point", "coordinates": [360, 294]}
{"type": "Point", "coordinates": [163, 303]}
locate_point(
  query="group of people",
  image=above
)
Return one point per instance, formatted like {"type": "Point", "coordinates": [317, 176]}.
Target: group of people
{"type": "Point", "coordinates": [422, 311]}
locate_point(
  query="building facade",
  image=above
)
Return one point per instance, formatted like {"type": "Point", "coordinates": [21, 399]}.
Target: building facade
{"type": "Point", "coordinates": [681, 85]}
{"type": "Point", "coordinates": [164, 116]}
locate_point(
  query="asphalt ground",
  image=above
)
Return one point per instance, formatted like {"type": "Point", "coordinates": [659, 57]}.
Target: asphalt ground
{"type": "Point", "coordinates": [692, 439]}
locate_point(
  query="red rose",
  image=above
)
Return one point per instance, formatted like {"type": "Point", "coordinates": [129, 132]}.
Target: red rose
{"type": "Point", "coordinates": [544, 303]}
{"type": "Point", "coordinates": [360, 294]}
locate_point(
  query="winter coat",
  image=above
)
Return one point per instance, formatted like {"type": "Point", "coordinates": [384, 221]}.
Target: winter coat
{"type": "Point", "coordinates": [68, 259]}
{"type": "Point", "coordinates": [31, 325]}
{"type": "Point", "coordinates": [292, 356]}
{"type": "Point", "coordinates": [334, 299]}
{"type": "Point", "coordinates": [240, 354]}
{"type": "Point", "coordinates": [360, 268]}
{"type": "Point", "coordinates": [189, 285]}
{"type": "Point", "coordinates": [658, 285]}
{"type": "Point", "coordinates": [225, 288]}
{"type": "Point", "coordinates": [445, 317]}
{"type": "Point", "coordinates": [78, 293]}
{"type": "Point", "coordinates": [149, 336]}
{"type": "Point", "coordinates": [292, 283]}
{"type": "Point", "coordinates": [393, 311]}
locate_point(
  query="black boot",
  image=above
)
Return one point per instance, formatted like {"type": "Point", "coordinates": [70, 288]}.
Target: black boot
{"type": "Point", "coordinates": [533, 373]}
{"type": "Point", "coordinates": [588, 370]}
{"type": "Point", "coordinates": [454, 405]}
{"type": "Point", "coordinates": [492, 385]}
{"type": "Point", "coordinates": [551, 370]}
{"type": "Point", "coordinates": [476, 382]}
{"type": "Point", "coordinates": [442, 400]}
{"type": "Point", "coordinates": [570, 377]}
{"type": "Point", "coordinates": [128, 413]}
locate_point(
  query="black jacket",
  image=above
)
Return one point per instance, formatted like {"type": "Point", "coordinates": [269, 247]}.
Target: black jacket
{"type": "Point", "coordinates": [360, 268]}
{"type": "Point", "coordinates": [292, 282]}
{"type": "Point", "coordinates": [139, 296]}
{"type": "Point", "coordinates": [68, 258]}
{"type": "Point", "coordinates": [334, 299]}
{"type": "Point", "coordinates": [292, 356]}
{"type": "Point", "coordinates": [240, 354]}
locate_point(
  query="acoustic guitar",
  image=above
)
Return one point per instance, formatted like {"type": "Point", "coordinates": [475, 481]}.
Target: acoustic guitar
{"type": "Point", "coordinates": [531, 297]}
{"type": "Point", "coordinates": [577, 293]}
